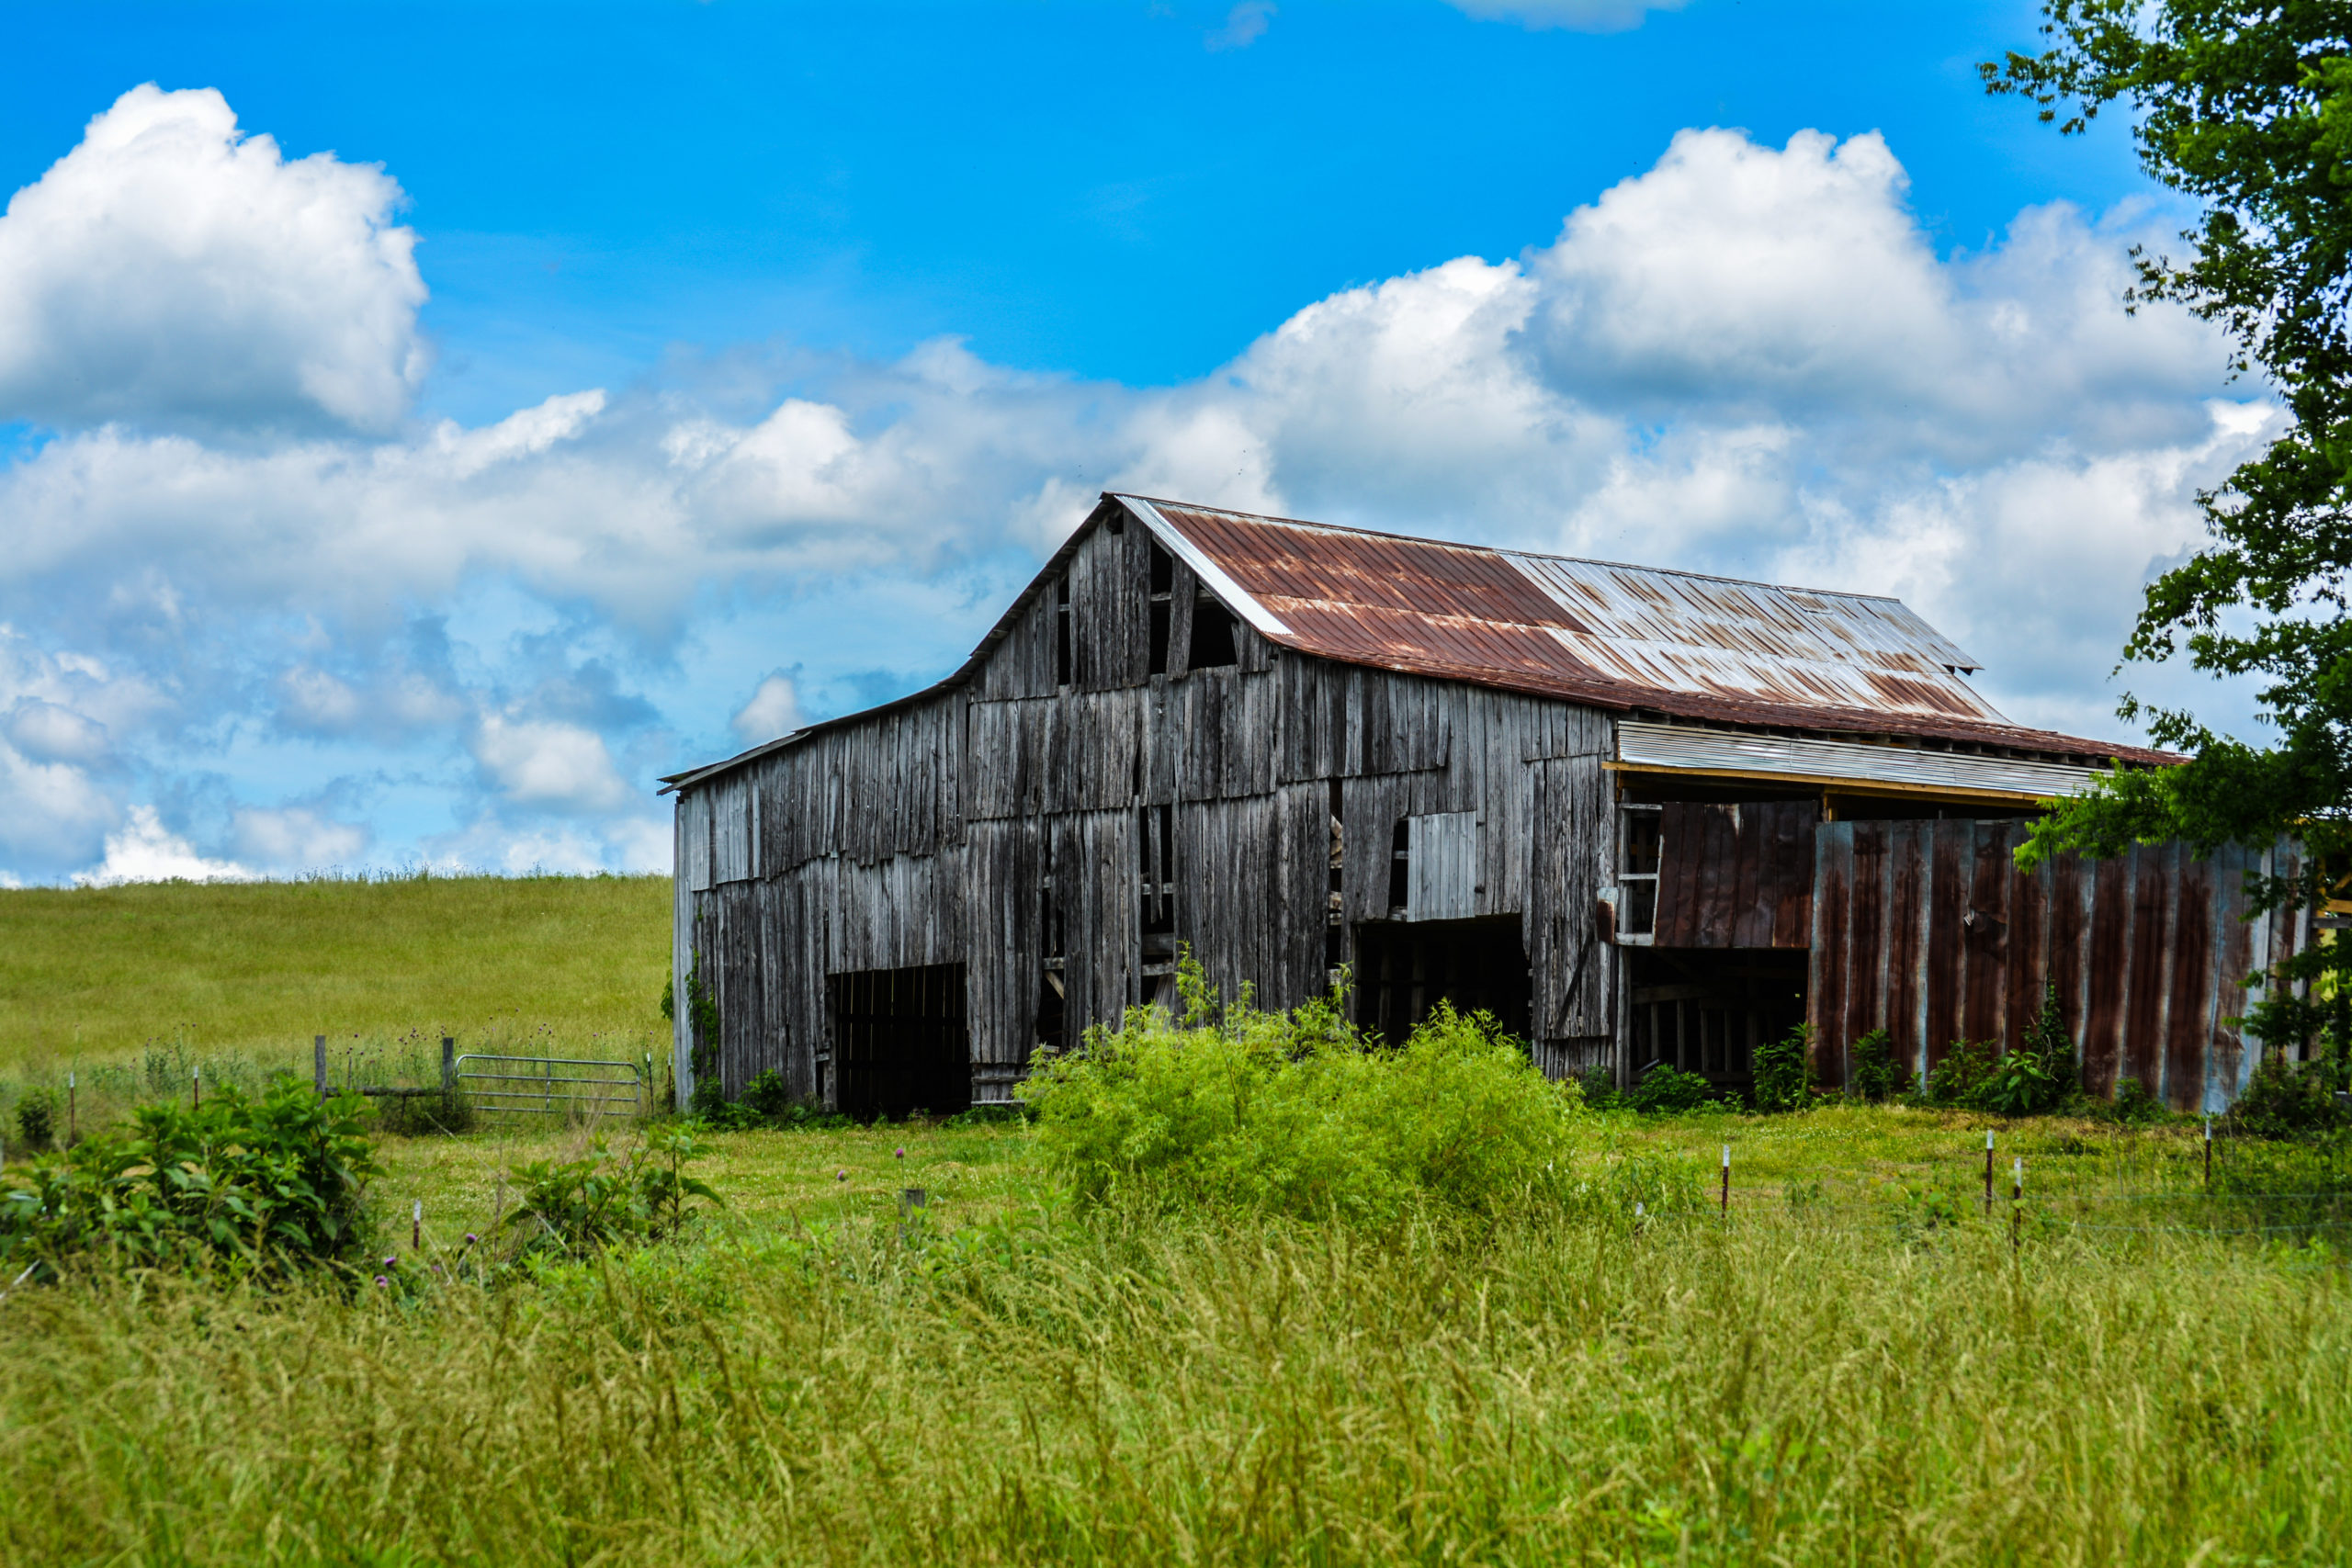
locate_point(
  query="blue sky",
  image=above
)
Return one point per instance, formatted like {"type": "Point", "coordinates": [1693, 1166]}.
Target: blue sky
{"type": "Point", "coordinates": [564, 395]}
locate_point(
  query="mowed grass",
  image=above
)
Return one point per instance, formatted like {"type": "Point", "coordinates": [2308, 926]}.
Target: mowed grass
{"type": "Point", "coordinates": [813, 1378]}
{"type": "Point", "coordinates": [245, 973]}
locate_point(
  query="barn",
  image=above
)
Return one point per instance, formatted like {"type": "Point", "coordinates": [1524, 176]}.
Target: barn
{"type": "Point", "coordinates": [1637, 815]}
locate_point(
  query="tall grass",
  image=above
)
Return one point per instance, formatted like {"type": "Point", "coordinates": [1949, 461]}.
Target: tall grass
{"type": "Point", "coordinates": [1211, 1390]}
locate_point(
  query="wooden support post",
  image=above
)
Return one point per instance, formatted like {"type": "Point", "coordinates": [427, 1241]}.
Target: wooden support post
{"type": "Point", "coordinates": [319, 1063]}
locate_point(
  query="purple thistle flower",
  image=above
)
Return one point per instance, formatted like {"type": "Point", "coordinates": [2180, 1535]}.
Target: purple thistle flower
{"type": "Point", "coordinates": [902, 1151]}
{"type": "Point", "coordinates": [841, 1175]}
{"type": "Point", "coordinates": [392, 1262]}
{"type": "Point", "coordinates": [471, 1238]}
{"type": "Point", "coordinates": [381, 1281]}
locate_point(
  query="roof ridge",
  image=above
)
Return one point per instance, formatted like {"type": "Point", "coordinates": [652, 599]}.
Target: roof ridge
{"type": "Point", "coordinates": [1505, 549]}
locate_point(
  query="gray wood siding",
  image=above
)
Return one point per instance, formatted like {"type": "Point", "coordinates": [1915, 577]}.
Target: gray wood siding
{"type": "Point", "coordinates": [921, 835]}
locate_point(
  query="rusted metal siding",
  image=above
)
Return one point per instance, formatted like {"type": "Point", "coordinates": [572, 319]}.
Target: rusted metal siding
{"type": "Point", "coordinates": [1736, 876]}
{"type": "Point", "coordinates": [1930, 931]}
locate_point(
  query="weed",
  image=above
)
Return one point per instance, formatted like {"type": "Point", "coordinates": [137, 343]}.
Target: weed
{"type": "Point", "coordinates": [1783, 1071]}
{"type": "Point", "coordinates": [1666, 1088]}
{"type": "Point", "coordinates": [37, 1119]}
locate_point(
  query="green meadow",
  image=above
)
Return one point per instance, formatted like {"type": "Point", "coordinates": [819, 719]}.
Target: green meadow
{"type": "Point", "coordinates": [131, 986]}
{"type": "Point", "coordinates": [1842, 1353]}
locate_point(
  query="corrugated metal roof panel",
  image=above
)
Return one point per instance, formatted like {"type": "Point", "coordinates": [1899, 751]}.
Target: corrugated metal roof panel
{"type": "Point", "coordinates": [1625, 636]}
{"type": "Point", "coordinates": [1698, 748]}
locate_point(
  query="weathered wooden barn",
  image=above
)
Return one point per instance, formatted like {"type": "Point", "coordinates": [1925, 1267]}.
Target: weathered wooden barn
{"type": "Point", "coordinates": [1638, 815]}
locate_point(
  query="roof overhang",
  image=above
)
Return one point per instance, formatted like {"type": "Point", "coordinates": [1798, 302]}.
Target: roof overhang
{"type": "Point", "coordinates": [1703, 751]}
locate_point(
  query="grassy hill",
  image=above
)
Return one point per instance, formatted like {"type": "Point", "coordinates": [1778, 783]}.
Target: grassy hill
{"type": "Point", "coordinates": [138, 983]}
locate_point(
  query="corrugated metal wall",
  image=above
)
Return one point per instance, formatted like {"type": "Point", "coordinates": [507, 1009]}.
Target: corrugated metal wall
{"type": "Point", "coordinates": [1929, 931]}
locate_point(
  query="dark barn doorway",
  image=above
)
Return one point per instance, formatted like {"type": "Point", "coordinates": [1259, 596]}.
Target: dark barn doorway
{"type": "Point", "coordinates": [901, 1043]}
{"type": "Point", "coordinates": [1404, 968]}
{"type": "Point", "coordinates": [1706, 1009]}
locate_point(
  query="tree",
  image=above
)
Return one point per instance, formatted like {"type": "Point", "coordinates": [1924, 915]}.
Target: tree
{"type": "Point", "coordinates": [2247, 105]}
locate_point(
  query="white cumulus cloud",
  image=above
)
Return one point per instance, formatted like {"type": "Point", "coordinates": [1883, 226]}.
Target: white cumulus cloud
{"type": "Point", "coordinates": [146, 850]}
{"type": "Point", "coordinates": [1747, 358]}
{"type": "Point", "coordinates": [773, 710]}
{"type": "Point", "coordinates": [542, 762]}
{"type": "Point", "coordinates": [172, 269]}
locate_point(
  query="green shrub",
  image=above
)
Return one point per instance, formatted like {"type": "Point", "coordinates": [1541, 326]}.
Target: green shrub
{"type": "Point", "coordinates": [2130, 1104]}
{"type": "Point", "coordinates": [2054, 1048]}
{"type": "Point", "coordinates": [252, 1184]}
{"type": "Point", "coordinates": [1667, 1089]}
{"type": "Point", "coordinates": [1873, 1074]}
{"type": "Point", "coordinates": [572, 1208]}
{"type": "Point", "coordinates": [1960, 1078]}
{"type": "Point", "coordinates": [2286, 1100]}
{"type": "Point", "coordinates": [37, 1119]}
{"type": "Point", "coordinates": [1292, 1113]}
{"type": "Point", "coordinates": [2019, 1085]}
{"type": "Point", "coordinates": [1598, 1088]}
{"type": "Point", "coordinates": [1784, 1071]}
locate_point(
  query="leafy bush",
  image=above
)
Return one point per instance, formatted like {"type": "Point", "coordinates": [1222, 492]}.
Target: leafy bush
{"type": "Point", "coordinates": [1960, 1078]}
{"type": "Point", "coordinates": [572, 1208]}
{"type": "Point", "coordinates": [2287, 1099]}
{"type": "Point", "coordinates": [37, 1119]}
{"type": "Point", "coordinates": [2019, 1085]}
{"type": "Point", "coordinates": [1292, 1113]}
{"type": "Point", "coordinates": [1783, 1071]}
{"type": "Point", "coordinates": [2054, 1048]}
{"type": "Point", "coordinates": [766, 1102]}
{"type": "Point", "coordinates": [250, 1184]}
{"type": "Point", "coordinates": [1874, 1075]}
{"type": "Point", "coordinates": [2130, 1104]}
{"type": "Point", "coordinates": [1598, 1088]}
{"type": "Point", "coordinates": [1665, 1088]}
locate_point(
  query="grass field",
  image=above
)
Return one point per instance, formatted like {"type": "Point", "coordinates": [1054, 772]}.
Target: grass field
{"type": "Point", "coordinates": [132, 985]}
{"type": "Point", "coordinates": [1854, 1361]}
{"type": "Point", "coordinates": [1834, 1376]}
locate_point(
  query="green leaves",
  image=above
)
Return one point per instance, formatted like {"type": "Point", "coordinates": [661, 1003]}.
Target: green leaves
{"type": "Point", "coordinates": [251, 1185]}
{"type": "Point", "coordinates": [2248, 108]}
{"type": "Point", "coordinates": [1783, 1071]}
{"type": "Point", "coordinates": [1292, 1113]}
{"type": "Point", "coordinates": [572, 1208]}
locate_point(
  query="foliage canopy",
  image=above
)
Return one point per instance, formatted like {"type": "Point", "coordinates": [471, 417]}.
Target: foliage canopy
{"type": "Point", "coordinates": [2247, 107]}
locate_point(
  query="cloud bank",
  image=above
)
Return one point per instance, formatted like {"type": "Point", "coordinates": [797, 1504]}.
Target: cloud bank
{"type": "Point", "coordinates": [256, 615]}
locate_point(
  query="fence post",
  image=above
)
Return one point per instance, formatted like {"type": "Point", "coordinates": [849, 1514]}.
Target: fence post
{"type": "Point", "coordinates": [196, 1088]}
{"type": "Point", "coordinates": [1988, 1173]}
{"type": "Point", "coordinates": [2017, 1203]}
{"type": "Point", "coordinates": [448, 1064]}
{"type": "Point", "coordinates": [416, 1227]}
{"type": "Point", "coordinates": [319, 1063]}
{"type": "Point", "coordinates": [1726, 1181]}
{"type": "Point", "coordinates": [2209, 1154]}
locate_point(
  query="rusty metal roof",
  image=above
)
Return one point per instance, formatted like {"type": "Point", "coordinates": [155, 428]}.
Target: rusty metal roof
{"type": "Point", "coordinates": [1628, 637]}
